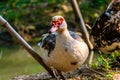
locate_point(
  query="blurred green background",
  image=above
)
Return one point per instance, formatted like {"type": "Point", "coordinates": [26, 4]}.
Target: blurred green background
{"type": "Point", "coordinates": [31, 18]}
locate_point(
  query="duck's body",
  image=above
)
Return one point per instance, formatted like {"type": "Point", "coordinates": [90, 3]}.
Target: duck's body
{"type": "Point", "coordinates": [106, 30]}
{"type": "Point", "coordinates": [67, 51]}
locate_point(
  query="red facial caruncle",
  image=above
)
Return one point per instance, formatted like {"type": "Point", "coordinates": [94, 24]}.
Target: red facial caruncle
{"type": "Point", "coordinates": [56, 24]}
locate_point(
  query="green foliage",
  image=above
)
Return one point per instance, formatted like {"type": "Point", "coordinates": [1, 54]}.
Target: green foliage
{"type": "Point", "coordinates": [109, 76]}
{"type": "Point", "coordinates": [91, 9]}
{"type": "Point", "coordinates": [15, 11]}
{"type": "Point", "coordinates": [101, 62]}
{"type": "Point", "coordinates": [37, 13]}
{"type": "Point", "coordinates": [105, 61]}
{"type": "Point", "coordinates": [12, 10]}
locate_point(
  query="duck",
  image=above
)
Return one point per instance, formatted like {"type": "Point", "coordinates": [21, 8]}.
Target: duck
{"type": "Point", "coordinates": [105, 33]}
{"type": "Point", "coordinates": [62, 49]}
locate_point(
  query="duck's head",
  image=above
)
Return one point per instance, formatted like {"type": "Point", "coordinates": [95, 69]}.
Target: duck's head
{"type": "Point", "coordinates": [58, 23]}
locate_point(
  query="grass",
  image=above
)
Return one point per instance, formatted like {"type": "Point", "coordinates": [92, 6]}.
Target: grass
{"type": "Point", "coordinates": [16, 61]}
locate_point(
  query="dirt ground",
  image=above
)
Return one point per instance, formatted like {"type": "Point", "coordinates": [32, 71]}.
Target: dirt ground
{"type": "Point", "coordinates": [83, 73]}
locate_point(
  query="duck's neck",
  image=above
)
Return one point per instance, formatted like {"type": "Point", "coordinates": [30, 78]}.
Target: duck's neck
{"type": "Point", "coordinates": [64, 36]}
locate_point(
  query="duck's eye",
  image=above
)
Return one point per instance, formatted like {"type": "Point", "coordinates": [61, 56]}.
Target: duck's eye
{"type": "Point", "coordinates": [59, 22]}
{"type": "Point", "coordinates": [55, 22]}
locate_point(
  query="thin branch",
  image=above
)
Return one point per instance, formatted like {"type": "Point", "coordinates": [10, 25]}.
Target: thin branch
{"type": "Point", "coordinates": [81, 21]}
{"type": "Point", "coordinates": [79, 18]}
{"type": "Point", "coordinates": [88, 26]}
{"type": "Point", "coordinates": [21, 41]}
{"type": "Point", "coordinates": [87, 68]}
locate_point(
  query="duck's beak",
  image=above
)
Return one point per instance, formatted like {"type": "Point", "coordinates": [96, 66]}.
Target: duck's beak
{"type": "Point", "coordinates": [54, 28]}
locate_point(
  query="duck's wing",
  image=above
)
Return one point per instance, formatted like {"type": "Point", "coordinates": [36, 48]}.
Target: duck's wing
{"type": "Point", "coordinates": [106, 30]}
{"type": "Point", "coordinates": [76, 36]}
{"type": "Point", "coordinates": [47, 44]}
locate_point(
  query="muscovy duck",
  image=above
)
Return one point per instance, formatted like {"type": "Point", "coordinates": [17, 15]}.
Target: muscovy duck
{"type": "Point", "coordinates": [62, 49]}
{"type": "Point", "coordinates": [106, 30]}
